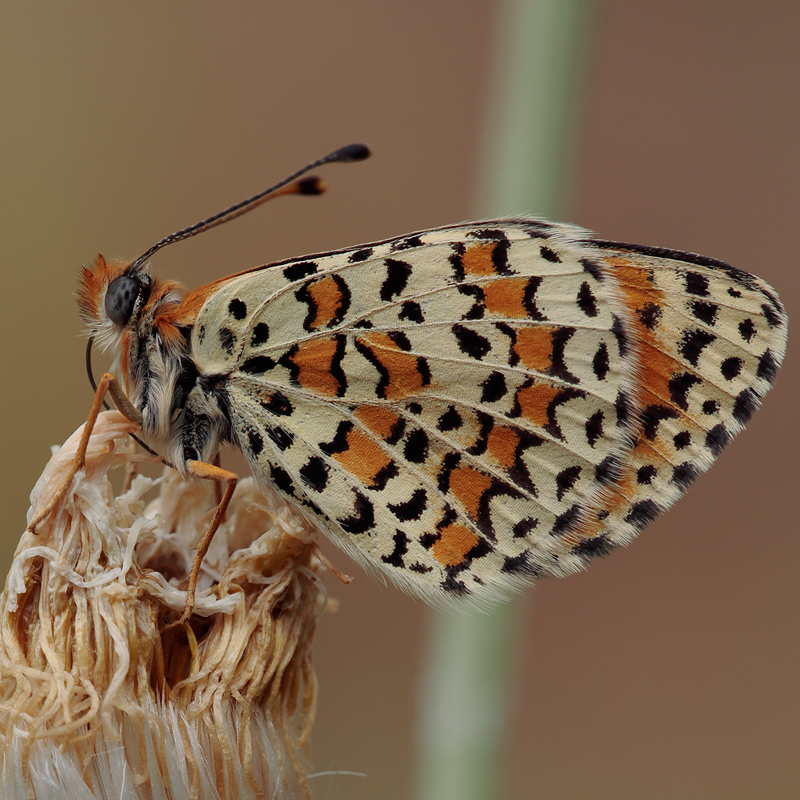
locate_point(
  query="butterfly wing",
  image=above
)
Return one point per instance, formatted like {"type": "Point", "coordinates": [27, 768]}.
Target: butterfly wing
{"type": "Point", "coordinates": [471, 407]}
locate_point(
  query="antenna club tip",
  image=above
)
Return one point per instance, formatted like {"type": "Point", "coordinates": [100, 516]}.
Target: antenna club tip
{"type": "Point", "coordinates": [311, 186]}
{"type": "Point", "coordinates": [353, 152]}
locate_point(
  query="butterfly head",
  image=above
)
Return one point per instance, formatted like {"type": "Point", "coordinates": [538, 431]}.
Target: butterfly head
{"type": "Point", "coordinates": [111, 298]}
{"type": "Point", "coordinates": [116, 298]}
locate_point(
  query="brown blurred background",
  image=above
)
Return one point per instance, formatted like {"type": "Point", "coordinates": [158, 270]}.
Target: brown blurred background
{"type": "Point", "coordinates": [669, 670]}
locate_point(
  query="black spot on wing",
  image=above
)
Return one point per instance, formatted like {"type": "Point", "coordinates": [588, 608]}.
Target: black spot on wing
{"type": "Point", "coordinates": [682, 440]}
{"type": "Point", "coordinates": [623, 407]}
{"type": "Point", "coordinates": [771, 315]}
{"type": "Point", "coordinates": [652, 416]}
{"type": "Point", "coordinates": [529, 298]}
{"type": "Point", "coordinates": [494, 388]}
{"type": "Point", "coordinates": [595, 547]}
{"type": "Point", "coordinates": [500, 249]}
{"type": "Point", "coordinates": [416, 446]}
{"type": "Point", "coordinates": [608, 471]}
{"type": "Point", "coordinates": [696, 284]}
{"type": "Point", "coordinates": [549, 254]}
{"type": "Point", "coordinates": [237, 308]}
{"type": "Point", "coordinates": [411, 311]}
{"type": "Point", "coordinates": [745, 406]}
{"type": "Point", "coordinates": [704, 311]}
{"type": "Point", "coordinates": [519, 471]}
{"type": "Point", "coordinates": [400, 339]}
{"type": "Point", "coordinates": [397, 274]}
{"type": "Point", "coordinates": [558, 365]}
{"type": "Point", "coordinates": [260, 334]}
{"type": "Point", "coordinates": [449, 463]}
{"type": "Point", "coordinates": [397, 432]}
{"type": "Point", "coordinates": [407, 243]}
{"type": "Point", "coordinates": [593, 268]}
{"type": "Point", "coordinates": [411, 509]}
{"type": "Point", "coordinates": [621, 335]}
{"type": "Point", "coordinates": [362, 519]}
{"type": "Point", "coordinates": [767, 366]}
{"type": "Point", "coordinates": [564, 522]}
{"type": "Point", "coordinates": [587, 302]}
{"type": "Point", "coordinates": [257, 365]}
{"type": "Point", "coordinates": [395, 558]}
{"type": "Point", "coordinates": [455, 587]}
{"type": "Point", "coordinates": [521, 565]}
{"type": "Point", "coordinates": [280, 437]}
{"type": "Point", "coordinates": [227, 340]}
{"type": "Point", "coordinates": [360, 255]}
{"type": "Point", "coordinates": [650, 315]}
{"type": "Point", "coordinates": [278, 404]}
{"type": "Point", "coordinates": [693, 343]}
{"type": "Point", "coordinates": [679, 386]}
{"type": "Point", "coordinates": [747, 329]}
{"type": "Point", "coordinates": [718, 438]}
{"type": "Point", "coordinates": [565, 480]}
{"type": "Point", "coordinates": [685, 474]}
{"type": "Point", "coordinates": [299, 270]}
{"type": "Point", "coordinates": [471, 342]}
{"type": "Point", "coordinates": [731, 368]}
{"type": "Point", "coordinates": [645, 474]}
{"type": "Point", "coordinates": [642, 513]}
{"type": "Point", "coordinates": [525, 526]}
{"type": "Point", "coordinates": [255, 442]}
{"type": "Point", "coordinates": [449, 421]}
{"type": "Point", "coordinates": [339, 442]}
{"type": "Point", "coordinates": [280, 477]}
{"type": "Point", "coordinates": [600, 362]}
{"type": "Point", "coordinates": [315, 474]}
{"type": "Point", "coordinates": [594, 427]}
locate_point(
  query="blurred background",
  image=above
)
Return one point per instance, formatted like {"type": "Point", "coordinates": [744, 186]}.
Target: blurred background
{"type": "Point", "coordinates": [668, 670]}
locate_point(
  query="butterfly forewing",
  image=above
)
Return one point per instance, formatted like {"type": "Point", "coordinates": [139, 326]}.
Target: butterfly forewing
{"type": "Point", "coordinates": [469, 407]}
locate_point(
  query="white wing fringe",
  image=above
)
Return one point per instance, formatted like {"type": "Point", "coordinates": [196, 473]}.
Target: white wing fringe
{"type": "Point", "coordinates": [95, 701]}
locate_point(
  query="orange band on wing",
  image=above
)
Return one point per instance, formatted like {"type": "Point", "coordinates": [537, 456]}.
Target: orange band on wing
{"type": "Point", "coordinates": [314, 362]}
{"type": "Point", "coordinates": [534, 346]}
{"type": "Point", "coordinates": [454, 542]}
{"type": "Point", "coordinates": [363, 458]}
{"type": "Point", "coordinates": [477, 259]}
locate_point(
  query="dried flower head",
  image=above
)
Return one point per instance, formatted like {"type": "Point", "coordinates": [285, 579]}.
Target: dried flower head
{"type": "Point", "coordinates": [97, 699]}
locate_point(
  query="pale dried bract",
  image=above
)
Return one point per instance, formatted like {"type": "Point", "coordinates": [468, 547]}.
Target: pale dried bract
{"type": "Point", "coordinates": [96, 699]}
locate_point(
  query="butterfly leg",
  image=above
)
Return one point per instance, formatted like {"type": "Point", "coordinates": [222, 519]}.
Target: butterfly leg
{"type": "Point", "coordinates": [199, 469]}
{"type": "Point", "coordinates": [107, 384]}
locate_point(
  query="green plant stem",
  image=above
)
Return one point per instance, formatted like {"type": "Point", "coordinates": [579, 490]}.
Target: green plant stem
{"type": "Point", "coordinates": [525, 167]}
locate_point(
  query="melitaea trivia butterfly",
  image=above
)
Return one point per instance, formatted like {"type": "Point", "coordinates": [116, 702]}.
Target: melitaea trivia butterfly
{"type": "Point", "coordinates": [465, 408]}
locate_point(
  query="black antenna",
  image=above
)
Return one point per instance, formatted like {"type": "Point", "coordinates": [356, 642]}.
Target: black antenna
{"type": "Point", "coordinates": [352, 152]}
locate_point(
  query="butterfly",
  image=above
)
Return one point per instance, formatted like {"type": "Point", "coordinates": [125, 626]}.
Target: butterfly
{"type": "Point", "coordinates": [464, 409]}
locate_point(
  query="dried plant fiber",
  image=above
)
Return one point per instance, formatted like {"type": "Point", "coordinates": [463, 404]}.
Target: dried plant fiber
{"type": "Point", "coordinates": [97, 700]}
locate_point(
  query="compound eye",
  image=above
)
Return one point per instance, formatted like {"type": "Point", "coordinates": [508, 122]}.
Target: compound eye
{"type": "Point", "coordinates": [121, 298]}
